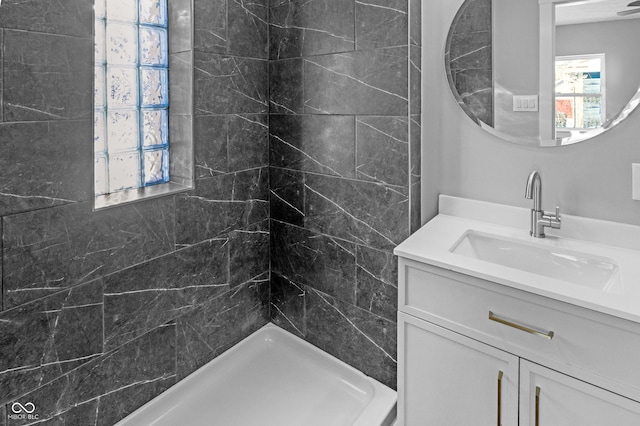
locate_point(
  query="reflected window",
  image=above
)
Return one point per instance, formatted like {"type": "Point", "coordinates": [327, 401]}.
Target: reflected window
{"type": "Point", "coordinates": [131, 97]}
{"type": "Point", "coordinates": [580, 92]}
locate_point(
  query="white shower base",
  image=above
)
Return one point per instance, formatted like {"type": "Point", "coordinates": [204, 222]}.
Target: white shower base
{"type": "Point", "coordinates": [271, 378]}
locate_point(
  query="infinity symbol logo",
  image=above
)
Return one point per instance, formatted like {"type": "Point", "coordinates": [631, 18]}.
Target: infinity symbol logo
{"type": "Point", "coordinates": [18, 408]}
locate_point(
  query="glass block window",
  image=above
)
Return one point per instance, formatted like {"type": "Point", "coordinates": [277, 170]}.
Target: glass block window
{"type": "Point", "coordinates": [131, 131]}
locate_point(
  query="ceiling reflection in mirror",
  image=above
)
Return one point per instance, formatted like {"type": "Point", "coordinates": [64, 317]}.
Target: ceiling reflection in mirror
{"type": "Point", "coordinates": [497, 63]}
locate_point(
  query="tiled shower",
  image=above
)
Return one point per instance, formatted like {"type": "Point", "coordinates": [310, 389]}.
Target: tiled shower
{"type": "Point", "coordinates": [307, 173]}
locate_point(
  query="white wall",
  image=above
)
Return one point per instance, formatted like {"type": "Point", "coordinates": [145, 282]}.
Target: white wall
{"type": "Point", "coordinates": [515, 64]}
{"type": "Point", "coordinates": [591, 179]}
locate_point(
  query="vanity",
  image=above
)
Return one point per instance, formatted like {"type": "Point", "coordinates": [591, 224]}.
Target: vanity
{"type": "Point", "coordinates": [497, 327]}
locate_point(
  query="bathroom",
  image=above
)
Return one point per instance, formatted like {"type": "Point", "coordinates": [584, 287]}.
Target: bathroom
{"type": "Point", "coordinates": [309, 167]}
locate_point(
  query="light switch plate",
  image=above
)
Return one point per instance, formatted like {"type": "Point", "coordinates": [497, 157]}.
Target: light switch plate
{"type": "Point", "coordinates": [635, 181]}
{"type": "Point", "coordinates": [527, 103]}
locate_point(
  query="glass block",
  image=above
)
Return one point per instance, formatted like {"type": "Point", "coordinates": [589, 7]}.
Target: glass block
{"type": "Point", "coordinates": [122, 86]}
{"type": "Point", "coordinates": [122, 10]}
{"type": "Point", "coordinates": [122, 44]}
{"type": "Point", "coordinates": [99, 43]}
{"type": "Point", "coordinates": [99, 7]}
{"type": "Point", "coordinates": [124, 171]}
{"type": "Point", "coordinates": [100, 176]}
{"type": "Point", "coordinates": [153, 46]}
{"type": "Point", "coordinates": [154, 85]}
{"type": "Point", "coordinates": [155, 167]}
{"type": "Point", "coordinates": [99, 132]}
{"type": "Point", "coordinates": [153, 12]}
{"type": "Point", "coordinates": [98, 87]}
{"type": "Point", "coordinates": [155, 127]}
{"type": "Point", "coordinates": [123, 130]}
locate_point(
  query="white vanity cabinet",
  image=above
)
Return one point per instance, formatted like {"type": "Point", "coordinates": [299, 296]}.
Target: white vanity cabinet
{"type": "Point", "coordinates": [453, 380]}
{"type": "Point", "coordinates": [473, 352]}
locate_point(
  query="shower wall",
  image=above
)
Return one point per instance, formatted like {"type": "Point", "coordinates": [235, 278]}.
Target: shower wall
{"type": "Point", "coordinates": [344, 129]}
{"type": "Point", "coordinates": [307, 160]}
{"type": "Point", "coordinates": [103, 310]}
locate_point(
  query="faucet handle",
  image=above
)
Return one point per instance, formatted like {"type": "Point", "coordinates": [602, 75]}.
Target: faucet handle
{"type": "Point", "coordinates": [552, 221]}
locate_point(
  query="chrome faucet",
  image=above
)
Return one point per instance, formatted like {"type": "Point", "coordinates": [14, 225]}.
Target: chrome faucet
{"type": "Point", "coordinates": [539, 219]}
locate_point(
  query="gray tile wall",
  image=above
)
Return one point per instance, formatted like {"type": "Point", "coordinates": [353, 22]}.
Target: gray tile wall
{"type": "Point", "coordinates": [345, 170]}
{"type": "Point", "coordinates": [102, 311]}
{"type": "Point", "coordinates": [306, 164]}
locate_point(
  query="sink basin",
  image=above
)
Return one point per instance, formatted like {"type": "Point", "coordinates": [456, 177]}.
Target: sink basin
{"type": "Point", "coordinates": [575, 267]}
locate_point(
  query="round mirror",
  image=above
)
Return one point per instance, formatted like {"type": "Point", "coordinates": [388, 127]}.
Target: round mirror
{"type": "Point", "coordinates": [545, 72]}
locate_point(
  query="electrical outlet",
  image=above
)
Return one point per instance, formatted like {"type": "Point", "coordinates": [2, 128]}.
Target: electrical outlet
{"type": "Point", "coordinates": [635, 181]}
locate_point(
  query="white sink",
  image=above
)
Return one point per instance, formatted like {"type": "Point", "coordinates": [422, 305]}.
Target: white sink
{"type": "Point", "coordinates": [595, 272]}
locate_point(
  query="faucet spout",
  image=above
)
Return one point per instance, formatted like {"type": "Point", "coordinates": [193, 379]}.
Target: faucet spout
{"type": "Point", "coordinates": [539, 219]}
{"type": "Point", "coordinates": [533, 191]}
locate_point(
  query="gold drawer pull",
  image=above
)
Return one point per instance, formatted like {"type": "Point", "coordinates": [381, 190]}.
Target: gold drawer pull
{"type": "Point", "coordinates": [500, 373]}
{"type": "Point", "coordinates": [537, 406]}
{"type": "Point", "coordinates": [548, 335]}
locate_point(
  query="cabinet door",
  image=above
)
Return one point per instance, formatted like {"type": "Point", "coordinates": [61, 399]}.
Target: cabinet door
{"type": "Point", "coordinates": [445, 378]}
{"type": "Point", "coordinates": [549, 398]}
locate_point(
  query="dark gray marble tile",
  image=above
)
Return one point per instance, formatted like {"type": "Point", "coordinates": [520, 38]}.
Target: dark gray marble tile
{"type": "Point", "coordinates": [415, 77]}
{"type": "Point", "coordinates": [287, 305]}
{"type": "Point", "coordinates": [250, 198]}
{"type": "Point", "coordinates": [42, 340]}
{"type": "Point", "coordinates": [44, 164]}
{"type": "Point", "coordinates": [286, 196]}
{"type": "Point", "coordinates": [221, 204]}
{"type": "Point", "coordinates": [416, 173]}
{"type": "Point", "coordinates": [247, 141]}
{"type": "Point", "coordinates": [70, 17]}
{"type": "Point", "coordinates": [108, 388]}
{"type": "Point", "coordinates": [248, 253]}
{"type": "Point", "coordinates": [230, 84]}
{"type": "Point", "coordinates": [210, 148]}
{"type": "Point", "coordinates": [313, 143]}
{"type": "Point", "coordinates": [365, 83]}
{"type": "Point", "coordinates": [377, 282]}
{"type": "Point", "coordinates": [217, 325]}
{"type": "Point", "coordinates": [305, 257]}
{"type": "Point", "coordinates": [230, 143]}
{"type": "Point", "coordinates": [148, 295]}
{"type": "Point", "coordinates": [314, 27]}
{"type": "Point", "coordinates": [1, 76]}
{"type": "Point", "coordinates": [473, 16]}
{"type": "Point", "coordinates": [475, 93]}
{"type": "Point", "coordinates": [366, 213]}
{"type": "Point", "coordinates": [182, 142]}
{"type": "Point", "coordinates": [181, 87]}
{"type": "Point", "coordinates": [49, 250]}
{"type": "Point", "coordinates": [415, 22]}
{"type": "Point", "coordinates": [383, 150]}
{"type": "Point", "coordinates": [247, 28]}
{"type": "Point", "coordinates": [210, 26]}
{"type": "Point", "coordinates": [470, 50]}
{"type": "Point", "coordinates": [286, 86]}
{"type": "Point", "coordinates": [182, 24]}
{"type": "Point", "coordinates": [46, 77]}
{"type": "Point", "coordinates": [381, 23]}
{"type": "Point", "coordinates": [355, 336]}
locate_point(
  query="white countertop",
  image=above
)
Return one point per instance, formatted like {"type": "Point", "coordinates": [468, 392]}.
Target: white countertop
{"type": "Point", "coordinates": [432, 244]}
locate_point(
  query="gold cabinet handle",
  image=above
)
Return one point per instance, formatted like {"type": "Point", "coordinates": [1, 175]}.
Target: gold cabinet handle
{"type": "Point", "coordinates": [548, 335]}
{"type": "Point", "coordinates": [500, 374]}
{"type": "Point", "coordinates": [537, 406]}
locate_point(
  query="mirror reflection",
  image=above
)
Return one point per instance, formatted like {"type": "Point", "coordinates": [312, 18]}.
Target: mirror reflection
{"type": "Point", "coordinates": [544, 72]}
